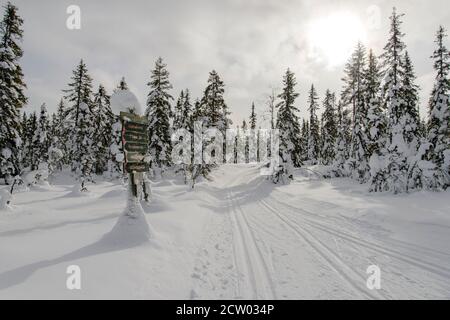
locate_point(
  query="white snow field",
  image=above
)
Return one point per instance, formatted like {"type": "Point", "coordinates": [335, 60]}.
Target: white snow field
{"type": "Point", "coordinates": [236, 237]}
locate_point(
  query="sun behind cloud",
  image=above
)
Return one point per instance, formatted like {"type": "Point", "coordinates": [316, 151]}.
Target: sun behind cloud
{"type": "Point", "coordinates": [333, 37]}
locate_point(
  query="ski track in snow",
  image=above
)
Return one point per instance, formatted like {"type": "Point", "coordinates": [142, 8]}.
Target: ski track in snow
{"type": "Point", "coordinates": [336, 263]}
{"type": "Point", "coordinates": [300, 216]}
{"type": "Point", "coordinates": [248, 250]}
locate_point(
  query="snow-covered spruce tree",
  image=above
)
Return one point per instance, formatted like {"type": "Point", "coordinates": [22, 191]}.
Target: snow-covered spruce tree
{"type": "Point", "coordinates": [353, 96]}
{"type": "Point", "coordinates": [236, 146]}
{"type": "Point", "coordinates": [329, 132]}
{"type": "Point", "coordinates": [80, 91]}
{"type": "Point", "coordinates": [103, 120]}
{"type": "Point", "coordinates": [23, 139]}
{"type": "Point", "coordinates": [253, 118]}
{"type": "Point", "coordinates": [185, 120]}
{"type": "Point", "coordinates": [398, 150]}
{"type": "Point", "coordinates": [321, 141]}
{"type": "Point", "coordinates": [342, 139]}
{"type": "Point", "coordinates": [411, 125]}
{"type": "Point", "coordinates": [438, 135]}
{"type": "Point", "coordinates": [61, 135]}
{"type": "Point", "coordinates": [410, 94]}
{"type": "Point", "coordinates": [215, 110]}
{"type": "Point", "coordinates": [314, 127]}
{"type": "Point", "coordinates": [122, 85]}
{"type": "Point", "coordinates": [245, 141]}
{"type": "Point", "coordinates": [196, 170]}
{"type": "Point", "coordinates": [80, 121]}
{"type": "Point", "coordinates": [158, 113]}
{"type": "Point", "coordinates": [304, 137]}
{"type": "Point", "coordinates": [29, 124]}
{"type": "Point", "coordinates": [39, 148]}
{"type": "Point", "coordinates": [288, 125]}
{"type": "Point", "coordinates": [56, 149]}
{"type": "Point", "coordinates": [41, 138]}
{"type": "Point", "coordinates": [177, 112]}
{"type": "Point", "coordinates": [83, 160]}
{"type": "Point", "coordinates": [253, 147]}
{"type": "Point", "coordinates": [423, 127]}
{"type": "Point", "coordinates": [376, 124]}
{"type": "Point", "coordinates": [32, 157]}
{"type": "Point", "coordinates": [182, 120]}
{"type": "Point", "coordinates": [12, 97]}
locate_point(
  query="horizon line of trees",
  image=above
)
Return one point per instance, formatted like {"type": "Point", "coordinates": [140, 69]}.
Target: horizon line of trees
{"type": "Point", "coordinates": [371, 132]}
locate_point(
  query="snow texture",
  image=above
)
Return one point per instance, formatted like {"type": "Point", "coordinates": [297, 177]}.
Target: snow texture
{"type": "Point", "coordinates": [236, 237]}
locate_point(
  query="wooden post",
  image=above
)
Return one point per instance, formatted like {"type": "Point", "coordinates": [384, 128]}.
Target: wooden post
{"type": "Point", "coordinates": [134, 147]}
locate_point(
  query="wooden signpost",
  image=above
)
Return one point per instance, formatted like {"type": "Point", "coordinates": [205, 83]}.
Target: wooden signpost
{"type": "Point", "coordinates": [135, 146]}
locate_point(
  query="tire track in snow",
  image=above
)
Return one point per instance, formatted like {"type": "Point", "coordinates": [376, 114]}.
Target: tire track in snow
{"type": "Point", "coordinates": [257, 271]}
{"type": "Point", "coordinates": [428, 266]}
{"type": "Point", "coordinates": [335, 262]}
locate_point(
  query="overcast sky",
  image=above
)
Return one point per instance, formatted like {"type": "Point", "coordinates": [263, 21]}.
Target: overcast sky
{"type": "Point", "coordinates": [249, 42]}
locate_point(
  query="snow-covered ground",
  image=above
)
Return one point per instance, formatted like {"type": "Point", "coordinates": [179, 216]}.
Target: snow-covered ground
{"type": "Point", "coordinates": [238, 236]}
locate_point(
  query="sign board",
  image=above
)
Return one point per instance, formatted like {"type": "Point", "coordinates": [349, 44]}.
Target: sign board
{"type": "Point", "coordinates": [135, 127]}
{"type": "Point", "coordinates": [136, 147]}
{"type": "Point", "coordinates": [137, 167]}
{"type": "Point", "coordinates": [135, 142]}
{"type": "Point", "coordinates": [136, 137]}
{"type": "Point", "coordinates": [134, 156]}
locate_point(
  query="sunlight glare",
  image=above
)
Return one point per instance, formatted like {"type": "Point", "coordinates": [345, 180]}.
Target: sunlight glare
{"type": "Point", "coordinates": [333, 38]}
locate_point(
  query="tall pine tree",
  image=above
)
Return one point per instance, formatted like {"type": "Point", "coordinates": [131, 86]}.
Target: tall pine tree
{"type": "Point", "coordinates": [439, 114]}
{"type": "Point", "coordinates": [103, 120]}
{"type": "Point", "coordinates": [289, 129]}
{"type": "Point", "coordinates": [396, 159]}
{"type": "Point", "coordinates": [80, 124]}
{"type": "Point", "coordinates": [159, 113]}
{"type": "Point", "coordinates": [12, 97]}
{"type": "Point", "coordinates": [329, 128]}
{"type": "Point", "coordinates": [353, 96]}
{"type": "Point", "coordinates": [253, 119]}
{"type": "Point", "coordinates": [213, 103]}
{"type": "Point", "coordinates": [342, 140]}
{"type": "Point", "coordinates": [410, 94]}
{"type": "Point", "coordinates": [41, 139]}
{"type": "Point", "coordinates": [183, 121]}
{"type": "Point", "coordinates": [314, 127]}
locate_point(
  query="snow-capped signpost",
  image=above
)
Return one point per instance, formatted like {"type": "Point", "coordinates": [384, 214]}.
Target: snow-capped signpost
{"type": "Point", "coordinates": [135, 145]}
{"type": "Point", "coordinates": [132, 225]}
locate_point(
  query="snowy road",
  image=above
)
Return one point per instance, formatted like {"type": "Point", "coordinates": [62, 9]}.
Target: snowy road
{"type": "Point", "coordinates": [238, 236]}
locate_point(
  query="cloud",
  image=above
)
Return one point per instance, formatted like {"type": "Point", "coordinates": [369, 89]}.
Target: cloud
{"type": "Point", "coordinates": [250, 44]}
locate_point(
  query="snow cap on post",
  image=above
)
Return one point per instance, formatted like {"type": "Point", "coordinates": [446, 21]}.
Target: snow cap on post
{"type": "Point", "coordinates": [125, 101]}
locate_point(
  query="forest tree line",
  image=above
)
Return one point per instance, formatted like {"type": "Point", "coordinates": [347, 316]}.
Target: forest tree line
{"type": "Point", "coordinates": [371, 131]}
